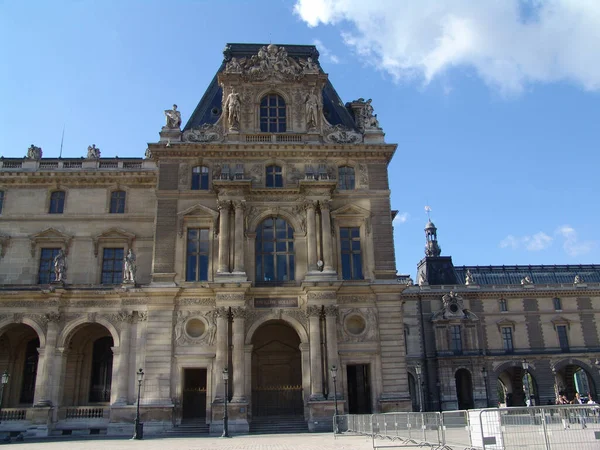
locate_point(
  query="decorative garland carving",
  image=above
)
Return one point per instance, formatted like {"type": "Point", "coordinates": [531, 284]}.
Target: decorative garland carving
{"type": "Point", "coordinates": [339, 134]}
{"type": "Point", "coordinates": [314, 311]}
{"type": "Point", "coordinates": [198, 301]}
{"type": "Point", "coordinates": [331, 311]}
{"type": "Point", "coordinates": [183, 338]}
{"type": "Point", "coordinates": [353, 299]}
{"type": "Point", "coordinates": [322, 295]}
{"type": "Point", "coordinates": [370, 332]}
{"type": "Point", "coordinates": [205, 133]}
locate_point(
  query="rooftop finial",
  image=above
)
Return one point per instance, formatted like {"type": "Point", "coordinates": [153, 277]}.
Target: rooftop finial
{"type": "Point", "coordinates": [427, 211]}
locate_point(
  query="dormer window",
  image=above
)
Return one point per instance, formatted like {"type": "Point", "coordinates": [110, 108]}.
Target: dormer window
{"type": "Point", "coordinates": [274, 176]}
{"type": "Point", "coordinates": [272, 114]}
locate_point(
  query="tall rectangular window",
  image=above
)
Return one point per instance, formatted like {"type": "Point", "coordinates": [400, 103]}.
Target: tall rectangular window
{"type": "Point", "coordinates": [563, 337]}
{"type": "Point", "coordinates": [57, 202]}
{"type": "Point", "coordinates": [351, 253]}
{"type": "Point", "coordinates": [200, 178]}
{"type": "Point", "coordinates": [112, 266]}
{"type": "Point", "coordinates": [197, 251]}
{"type": "Point", "coordinates": [455, 339]}
{"type": "Point", "coordinates": [507, 339]}
{"type": "Point", "coordinates": [1, 201]}
{"type": "Point", "coordinates": [503, 305]}
{"type": "Point", "coordinates": [46, 272]}
{"type": "Point", "coordinates": [557, 304]}
{"type": "Point", "coordinates": [346, 178]}
{"type": "Point", "coordinates": [117, 202]}
{"type": "Point", "coordinates": [274, 176]}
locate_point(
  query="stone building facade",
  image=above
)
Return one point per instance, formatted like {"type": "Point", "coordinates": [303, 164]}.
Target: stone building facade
{"type": "Point", "coordinates": [489, 335]}
{"type": "Point", "coordinates": [261, 242]}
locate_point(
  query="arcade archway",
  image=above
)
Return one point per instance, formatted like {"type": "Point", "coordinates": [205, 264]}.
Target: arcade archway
{"type": "Point", "coordinates": [276, 371]}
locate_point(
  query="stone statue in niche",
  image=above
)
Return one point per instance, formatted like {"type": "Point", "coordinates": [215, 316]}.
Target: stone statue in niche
{"type": "Point", "coordinates": [232, 109]}
{"type": "Point", "coordinates": [129, 267]}
{"type": "Point", "coordinates": [34, 152]}
{"type": "Point", "coordinates": [173, 118]}
{"type": "Point", "coordinates": [93, 152]}
{"type": "Point", "coordinates": [311, 103]}
{"type": "Point", "coordinates": [60, 267]}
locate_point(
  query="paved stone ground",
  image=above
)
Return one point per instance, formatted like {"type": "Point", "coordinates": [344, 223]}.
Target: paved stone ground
{"type": "Point", "coordinates": [255, 442]}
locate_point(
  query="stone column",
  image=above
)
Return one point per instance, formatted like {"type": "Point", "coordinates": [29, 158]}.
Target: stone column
{"type": "Point", "coordinates": [221, 356]}
{"type": "Point", "coordinates": [239, 365]}
{"type": "Point", "coordinates": [326, 227]}
{"type": "Point", "coordinates": [316, 370]}
{"type": "Point", "coordinates": [224, 207]}
{"type": "Point", "coordinates": [58, 375]}
{"type": "Point", "coordinates": [43, 381]}
{"type": "Point", "coordinates": [121, 370]}
{"type": "Point", "coordinates": [311, 236]}
{"type": "Point", "coordinates": [238, 265]}
{"type": "Point", "coordinates": [331, 313]}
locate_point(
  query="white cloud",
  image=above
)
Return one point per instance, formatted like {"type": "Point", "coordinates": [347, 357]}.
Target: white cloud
{"type": "Point", "coordinates": [572, 245]}
{"type": "Point", "coordinates": [325, 52]}
{"type": "Point", "coordinates": [509, 43]}
{"type": "Point", "coordinates": [538, 241]}
{"type": "Point", "coordinates": [401, 218]}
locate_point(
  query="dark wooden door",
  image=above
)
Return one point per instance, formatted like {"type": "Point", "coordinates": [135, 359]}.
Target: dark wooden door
{"type": "Point", "coordinates": [359, 389]}
{"type": "Point", "coordinates": [194, 394]}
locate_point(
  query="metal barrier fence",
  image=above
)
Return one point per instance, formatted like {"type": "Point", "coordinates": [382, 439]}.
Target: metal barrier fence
{"type": "Point", "coordinates": [544, 427]}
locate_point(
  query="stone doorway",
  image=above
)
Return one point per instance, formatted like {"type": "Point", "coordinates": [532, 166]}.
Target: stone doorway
{"type": "Point", "coordinates": [194, 395]}
{"type": "Point", "coordinates": [276, 371]}
{"type": "Point", "coordinates": [359, 389]}
{"type": "Point", "coordinates": [464, 389]}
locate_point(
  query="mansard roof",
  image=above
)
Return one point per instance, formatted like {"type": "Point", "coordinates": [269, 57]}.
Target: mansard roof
{"type": "Point", "coordinates": [540, 274]}
{"type": "Point", "coordinates": [208, 109]}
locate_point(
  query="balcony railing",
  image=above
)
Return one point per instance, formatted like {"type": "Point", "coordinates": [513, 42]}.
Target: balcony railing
{"type": "Point", "coordinates": [11, 414]}
{"type": "Point", "coordinates": [85, 412]}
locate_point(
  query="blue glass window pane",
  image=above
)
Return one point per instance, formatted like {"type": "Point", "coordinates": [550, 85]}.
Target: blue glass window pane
{"type": "Point", "coordinates": [268, 247]}
{"type": "Point", "coordinates": [346, 268]}
{"type": "Point", "coordinates": [281, 246]}
{"type": "Point", "coordinates": [356, 245]}
{"type": "Point", "coordinates": [269, 269]}
{"type": "Point", "coordinates": [282, 268]}
{"type": "Point", "coordinates": [203, 271]}
{"type": "Point", "coordinates": [357, 266]}
{"type": "Point", "coordinates": [344, 232]}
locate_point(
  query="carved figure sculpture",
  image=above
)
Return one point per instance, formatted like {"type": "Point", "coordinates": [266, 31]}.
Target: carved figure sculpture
{"type": "Point", "coordinates": [173, 118]}
{"type": "Point", "coordinates": [370, 120]}
{"type": "Point", "coordinates": [577, 279]}
{"type": "Point", "coordinates": [422, 280]}
{"type": "Point", "coordinates": [130, 267]}
{"type": "Point", "coordinates": [233, 106]}
{"type": "Point", "coordinates": [93, 152]}
{"type": "Point", "coordinates": [526, 281]}
{"type": "Point", "coordinates": [60, 266]}
{"type": "Point", "coordinates": [233, 66]}
{"type": "Point", "coordinates": [469, 278]}
{"type": "Point", "coordinates": [34, 152]}
{"type": "Point", "coordinates": [312, 110]}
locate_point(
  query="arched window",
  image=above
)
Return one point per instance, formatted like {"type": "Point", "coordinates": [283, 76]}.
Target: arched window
{"type": "Point", "coordinates": [57, 202]}
{"type": "Point", "coordinates": [274, 251]}
{"type": "Point", "coordinates": [200, 178]}
{"type": "Point", "coordinates": [102, 361]}
{"type": "Point", "coordinates": [272, 114]}
{"type": "Point", "coordinates": [117, 202]}
{"type": "Point", "coordinates": [274, 176]}
{"type": "Point", "coordinates": [346, 178]}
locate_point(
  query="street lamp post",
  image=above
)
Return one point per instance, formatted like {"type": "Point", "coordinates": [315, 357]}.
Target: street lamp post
{"type": "Point", "coordinates": [485, 383]}
{"type": "Point", "coordinates": [525, 366]}
{"type": "Point", "coordinates": [5, 377]}
{"type": "Point", "coordinates": [138, 432]}
{"type": "Point", "coordinates": [225, 415]}
{"type": "Point", "coordinates": [418, 372]}
{"type": "Point", "coordinates": [333, 371]}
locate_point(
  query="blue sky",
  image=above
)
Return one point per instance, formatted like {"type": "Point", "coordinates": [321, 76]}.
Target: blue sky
{"type": "Point", "coordinates": [494, 105]}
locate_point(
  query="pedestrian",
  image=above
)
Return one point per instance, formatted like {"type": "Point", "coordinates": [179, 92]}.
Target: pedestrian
{"type": "Point", "coordinates": [581, 410]}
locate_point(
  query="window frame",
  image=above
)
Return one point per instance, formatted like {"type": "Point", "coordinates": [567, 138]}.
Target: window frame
{"type": "Point", "coordinates": [508, 344]}
{"type": "Point", "coordinates": [266, 119]}
{"type": "Point", "coordinates": [201, 176]}
{"type": "Point", "coordinates": [198, 254]}
{"type": "Point", "coordinates": [291, 262]}
{"type": "Point", "coordinates": [343, 185]}
{"type": "Point", "coordinates": [503, 305]}
{"type": "Point", "coordinates": [351, 252]}
{"type": "Point", "coordinates": [278, 172]}
{"type": "Point", "coordinates": [557, 303]}
{"type": "Point", "coordinates": [563, 344]}
{"type": "Point", "coordinates": [117, 201]}
{"type": "Point", "coordinates": [51, 276]}
{"type": "Point", "coordinates": [60, 207]}
{"type": "Point", "coordinates": [455, 331]}
{"type": "Point", "coordinates": [103, 259]}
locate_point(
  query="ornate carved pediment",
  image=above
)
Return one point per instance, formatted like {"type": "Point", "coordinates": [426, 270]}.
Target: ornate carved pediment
{"type": "Point", "coordinates": [205, 133]}
{"type": "Point", "coordinates": [113, 234]}
{"type": "Point", "coordinates": [270, 62]}
{"type": "Point", "coordinates": [505, 323]}
{"type": "Point", "coordinates": [199, 211]}
{"type": "Point", "coordinates": [339, 134]}
{"type": "Point", "coordinates": [453, 308]}
{"type": "Point", "coordinates": [50, 236]}
{"type": "Point", "coordinates": [351, 210]}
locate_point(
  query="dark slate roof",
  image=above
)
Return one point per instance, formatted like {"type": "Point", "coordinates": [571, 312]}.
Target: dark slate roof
{"type": "Point", "coordinates": [482, 275]}
{"type": "Point", "coordinates": [209, 107]}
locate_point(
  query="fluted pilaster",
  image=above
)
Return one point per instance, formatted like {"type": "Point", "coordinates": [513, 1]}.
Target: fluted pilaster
{"type": "Point", "coordinates": [224, 209]}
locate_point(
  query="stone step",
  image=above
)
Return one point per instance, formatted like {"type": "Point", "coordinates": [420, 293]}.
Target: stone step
{"type": "Point", "coordinates": [278, 425]}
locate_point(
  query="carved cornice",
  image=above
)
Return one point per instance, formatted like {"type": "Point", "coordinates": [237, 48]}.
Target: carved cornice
{"type": "Point", "coordinates": [80, 178]}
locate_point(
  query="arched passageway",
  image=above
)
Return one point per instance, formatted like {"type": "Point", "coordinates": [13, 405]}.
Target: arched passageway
{"type": "Point", "coordinates": [515, 386]}
{"type": "Point", "coordinates": [276, 371]}
{"type": "Point", "coordinates": [19, 356]}
{"type": "Point", "coordinates": [573, 378]}
{"type": "Point", "coordinates": [88, 366]}
{"type": "Point", "coordinates": [464, 389]}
